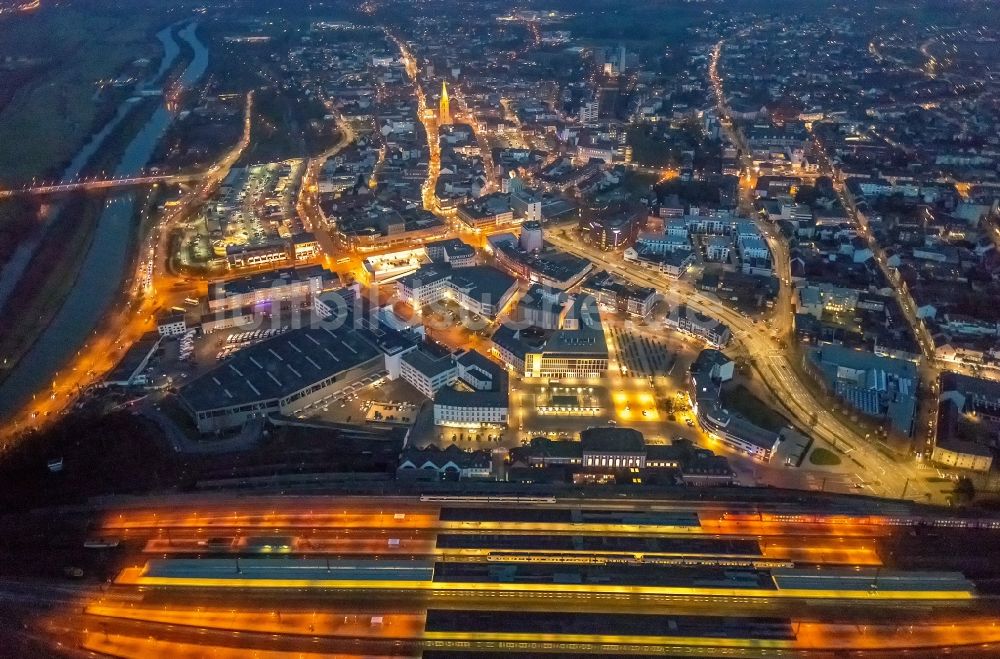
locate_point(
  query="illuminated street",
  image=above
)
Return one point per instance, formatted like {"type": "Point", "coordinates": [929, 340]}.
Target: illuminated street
{"type": "Point", "coordinates": [454, 330]}
{"type": "Point", "coordinates": [151, 291]}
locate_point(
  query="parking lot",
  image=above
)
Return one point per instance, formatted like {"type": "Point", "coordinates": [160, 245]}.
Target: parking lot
{"type": "Point", "coordinates": [362, 401]}
{"type": "Point", "coordinates": [640, 354]}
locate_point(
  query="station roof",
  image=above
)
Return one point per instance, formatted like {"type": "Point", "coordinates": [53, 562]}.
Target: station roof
{"type": "Point", "coordinates": [641, 574]}
{"type": "Point", "coordinates": [601, 543]}
{"type": "Point", "coordinates": [609, 439]}
{"type": "Point", "coordinates": [296, 569]}
{"type": "Point", "coordinates": [870, 579]}
{"type": "Point", "coordinates": [569, 515]}
{"type": "Point", "coordinates": [618, 624]}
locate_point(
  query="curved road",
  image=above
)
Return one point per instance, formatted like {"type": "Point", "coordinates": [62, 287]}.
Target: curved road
{"type": "Point", "coordinates": [885, 476]}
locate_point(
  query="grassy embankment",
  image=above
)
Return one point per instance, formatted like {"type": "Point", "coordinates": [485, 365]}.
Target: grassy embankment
{"type": "Point", "coordinates": [51, 116]}
{"type": "Point", "coordinates": [113, 149]}
{"type": "Point", "coordinates": [739, 399]}
{"type": "Point", "coordinates": [53, 270]}
{"type": "Point", "coordinates": [49, 277]}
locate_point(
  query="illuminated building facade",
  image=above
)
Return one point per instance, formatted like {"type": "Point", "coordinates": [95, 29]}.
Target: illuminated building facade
{"type": "Point", "coordinates": [444, 109]}
{"type": "Point", "coordinates": [276, 288]}
{"type": "Point", "coordinates": [479, 399]}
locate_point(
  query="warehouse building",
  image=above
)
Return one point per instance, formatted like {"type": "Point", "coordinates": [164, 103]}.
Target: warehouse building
{"type": "Point", "coordinates": [283, 375]}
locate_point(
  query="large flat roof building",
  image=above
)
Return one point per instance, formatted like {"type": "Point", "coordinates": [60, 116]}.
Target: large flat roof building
{"type": "Point", "coordinates": [283, 375]}
{"type": "Point", "coordinates": [578, 348]}
{"type": "Point", "coordinates": [428, 368]}
{"type": "Point", "coordinates": [289, 286]}
{"type": "Point", "coordinates": [488, 211]}
{"type": "Point", "coordinates": [615, 450]}
{"type": "Point", "coordinates": [452, 251]}
{"type": "Point", "coordinates": [548, 267]}
{"type": "Point", "coordinates": [478, 397]}
{"type": "Point", "coordinates": [607, 446]}
{"type": "Point", "coordinates": [619, 296]}
{"type": "Point", "coordinates": [480, 289]}
{"type": "Point", "coordinates": [880, 387]}
{"type": "Point", "coordinates": [543, 307]}
{"type": "Point", "coordinates": [382, 228]}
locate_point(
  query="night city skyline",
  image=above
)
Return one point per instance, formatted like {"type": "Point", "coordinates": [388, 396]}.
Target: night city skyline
{"type": "Point", "coordinates": [432, 328]}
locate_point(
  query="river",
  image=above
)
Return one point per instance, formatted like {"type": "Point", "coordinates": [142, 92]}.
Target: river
{"type": "Point", "coordinates": [103, 267]}
{"type": "Point", "coordinates": [12, 271]}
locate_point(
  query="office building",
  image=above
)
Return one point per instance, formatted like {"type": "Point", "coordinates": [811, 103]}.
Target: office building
{"type": "Point", "coordinates": [708, 372]}
{"type": "Point", "coordinates": [880, 387]}
{"type": "Point", "coordinates": [478, 396]}
{"type": "Point", "coordinates": [968, 419]}
{"type": "Point", "coordinates": [713, 332]}
{"type": "Point", "coordinates": [428, 368]}
{"type": "Point", "coordinates": [617, 296]}
{"type": "Point", "coordinates": [271, 290]}
{"type": "Point", "coordinates": [576, 350]}
{"type": "Point", "coordinates": [452, 251]}
{"type": "Point", "coordinates": [480, 289]}
{"type": "Point", "coordinates": [542, 307]}
{"type": "Point", "coordinates": [548, 267]}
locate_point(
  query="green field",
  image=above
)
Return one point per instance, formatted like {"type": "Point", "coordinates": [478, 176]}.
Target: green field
{"type": "Point", "coordinates": [54, 113]}
{"type": "Point", "coordinates": [824, 457]}
{"type": "Point", "coordinates": [739, 399]}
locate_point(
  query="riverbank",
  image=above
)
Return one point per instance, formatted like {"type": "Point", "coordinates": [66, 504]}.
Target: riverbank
{"type": "Point", "coordinates": [50, 116]}
{"type": "Point", "coordinates": [96, 291]}
{"type": "Point", "coordinates": [43, 289]}
{"type": "Point", "coordinates": [50, 263]}
{"type": "Point", "coordinates": [21, 254]}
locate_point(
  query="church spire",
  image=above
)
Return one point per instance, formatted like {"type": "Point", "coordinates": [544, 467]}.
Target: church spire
{"type": "Point", "coordinates": [444, 111]}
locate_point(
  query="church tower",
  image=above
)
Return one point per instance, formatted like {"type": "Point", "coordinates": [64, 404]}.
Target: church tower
{"type": "Point", "coordinates": [444, 111]}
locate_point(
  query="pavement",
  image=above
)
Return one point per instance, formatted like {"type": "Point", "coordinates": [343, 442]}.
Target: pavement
{"type": "Point", "coordinates": [248, 437]}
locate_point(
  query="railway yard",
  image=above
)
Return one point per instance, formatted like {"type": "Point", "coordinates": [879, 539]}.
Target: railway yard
{"type": "Point", "coordinates": [471, 576]}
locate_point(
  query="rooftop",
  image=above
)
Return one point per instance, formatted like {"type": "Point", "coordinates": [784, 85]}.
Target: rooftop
{"type": "Point", "coordinates": [429, 360]}
{"type": "Point", "coordinates": [612, 440]}
{"type": "Point", "coordinates": [264, 280]}
{"type": "Point", "coordinates": [278, 367]}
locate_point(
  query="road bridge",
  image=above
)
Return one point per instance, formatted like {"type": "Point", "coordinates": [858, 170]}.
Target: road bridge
{"type": "Point", "coordinates": [101, 184]}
